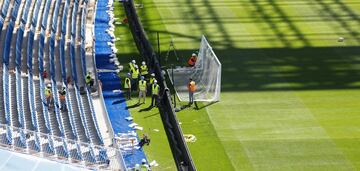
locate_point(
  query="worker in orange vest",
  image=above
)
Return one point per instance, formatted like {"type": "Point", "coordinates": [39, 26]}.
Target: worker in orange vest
{"type": "Point", "coordinates": [192, 89]}
{"type": "Point", "coordinates": [62, 94]}
{"type": "Point", "coordinates": [192, 60]}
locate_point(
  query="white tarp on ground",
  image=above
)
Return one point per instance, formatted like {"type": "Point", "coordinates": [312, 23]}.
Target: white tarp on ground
{"type": "Point", "coordinates": [206, 73]}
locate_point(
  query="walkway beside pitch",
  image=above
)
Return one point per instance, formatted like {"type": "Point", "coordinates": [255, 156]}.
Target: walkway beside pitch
{"type": "Point", "coordinates": [114, 101]}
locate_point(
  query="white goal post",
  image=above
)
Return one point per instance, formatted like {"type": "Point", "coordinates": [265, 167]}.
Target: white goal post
{"type": "Point", "coordinates": [206, 73]}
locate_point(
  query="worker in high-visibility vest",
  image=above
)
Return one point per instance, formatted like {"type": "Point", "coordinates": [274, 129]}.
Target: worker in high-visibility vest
{"type": "Point", "coordinates": [155, 93]}
{"type": "Point", "coordinates": [150, 83]}
{"type": "Point", "coordinates": [88, 80]}
{"type": "Point", "coordinates": [192, 89]}
{"type": "Point", "coordinates": [132, 65]}
{"type": "Point", "coordinates": [192, 60]}
{"type": "Point", "coordinates": [144, 70]}
{"type": "Point", "coordinates": [144, 166]}
{"type": "Point", "coordinates": [48, 96]}
{"type": "Point", "coordinates": [134, 77]}
{"type": "Point", "coordinates": [62, 94]}
{"type": "Point", "coordinates": [142, 89]}
{"type": "Point", "coordinates": [127, 86]}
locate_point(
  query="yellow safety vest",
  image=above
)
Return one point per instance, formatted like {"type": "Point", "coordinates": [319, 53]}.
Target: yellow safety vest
{"type": "Point", "coordinates": [144, 168]}
{"type": "Point", "coordinates": [152, 80]}
{"type": "Point", "coordinates": [131, 66]}
{"type": "Point", "coordinates": [127, 83]}
{"type": "Point", "coordinates": [47, 92]}
{"type": "Point", "coordinates": [87, 79]}
{"type": "Point", "coordinates": [143, 69]}
{"type": "Point", "coordinates": [134, 73]}
{"type": "Point", "coordinates": [155, 89]}
{"type": "Point", "coordinates": [142, 85]}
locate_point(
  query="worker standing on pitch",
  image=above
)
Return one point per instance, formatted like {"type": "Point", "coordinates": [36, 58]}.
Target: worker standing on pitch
{"type": "Point", "coordinates": [142, 89]}
{"type": "Point", "coordinates": [155, 93]}
{"type": "Point", "coordinates": [127, 86]}
{"type": "Point", "coordinates": [132, 65]}
{"type": "Point", "coordinates": [144, 70]}
{"type": "Point", "coordinates": [192, 89]}
{"type": "Point", "coordinates": [62, 94]}
{"type": "Point", "coordinates": [192, 60]}
{"type": "Point", "coordinates": [48, 96]}
{"type": "Point", "coordinates": [150, 83]}
{"type": "Point", "coordinates": [134, 77]}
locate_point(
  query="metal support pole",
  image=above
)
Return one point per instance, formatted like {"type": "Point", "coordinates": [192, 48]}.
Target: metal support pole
{"type": "Point", "coordinates": [158, 43]}
{"type": "Point", "coordinates": [172, 77]}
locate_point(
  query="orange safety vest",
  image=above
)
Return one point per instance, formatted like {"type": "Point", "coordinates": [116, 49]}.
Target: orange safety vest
{"type": "Point", "coordinates": [192, 86]}
{"type": "Point", "coordinates": [62, 97]}
{"type": "Point", "coordinates": [192, 61]}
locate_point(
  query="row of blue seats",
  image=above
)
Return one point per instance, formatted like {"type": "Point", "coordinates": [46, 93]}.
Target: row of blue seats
{"type": "Point", "coordinates": [9, 114]}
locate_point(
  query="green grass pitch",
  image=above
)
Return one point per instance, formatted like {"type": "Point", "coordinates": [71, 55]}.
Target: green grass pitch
{"type": "Point", "coordinates": [290, 89]}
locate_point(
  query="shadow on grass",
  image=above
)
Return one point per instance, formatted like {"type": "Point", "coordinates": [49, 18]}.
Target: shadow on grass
{"type": "Point", "coordinates": [307, 68]}
{"type": "Point", "coordinates": [146, 109]}
{"type": "Point", "coordinates": [152, 115]}
{"type": "Point", "coordinates": [133, 106]}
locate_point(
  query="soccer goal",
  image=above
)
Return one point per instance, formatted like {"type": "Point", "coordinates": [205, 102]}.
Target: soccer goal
{"type": "Point", "coordinates": [206, 73]}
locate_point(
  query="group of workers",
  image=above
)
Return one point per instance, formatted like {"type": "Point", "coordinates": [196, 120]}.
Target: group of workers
{"type": "Point", "coordinates": [89, 81]}
{"type": "Point", "coordinates": [50, 99]}
{"type": "Point", "coordinates": [139, 79]}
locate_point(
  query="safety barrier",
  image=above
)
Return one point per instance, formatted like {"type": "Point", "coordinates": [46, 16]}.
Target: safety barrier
{"type": "Point", "coordinates": [174, 133]}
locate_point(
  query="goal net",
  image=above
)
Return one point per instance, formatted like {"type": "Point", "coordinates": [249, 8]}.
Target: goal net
{"type": "Point", "coordinates": [206, 73]}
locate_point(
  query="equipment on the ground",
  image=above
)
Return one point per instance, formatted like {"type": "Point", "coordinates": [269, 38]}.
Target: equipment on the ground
{"type": "Point", "coordinates": [206, 73]}
{"type": "Point", "coordinates": [172, 48]}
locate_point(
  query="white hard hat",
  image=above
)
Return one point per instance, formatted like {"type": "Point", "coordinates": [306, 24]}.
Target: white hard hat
{"type": "Point", "coordinates": [153, 74]}
{"type": "Point", "coordinates": [133, 61]}
{"type": "Point", "coordinates": [136, 67]}
{"type": "Point", "coordinates": [48, 85]}
{"type": "Point", "coordinates": [155, 81]}
{"type": "Point", "coordinates": [193, 54]}
{"type": "Point", "coordinates": [143, 161]}
{"type": "Point", "coordinates": [143, 63]}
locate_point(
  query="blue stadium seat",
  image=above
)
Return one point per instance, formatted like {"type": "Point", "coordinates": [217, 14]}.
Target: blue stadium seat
{"type": "Point", "coordinates": [5, 8]}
